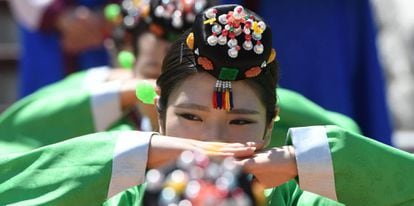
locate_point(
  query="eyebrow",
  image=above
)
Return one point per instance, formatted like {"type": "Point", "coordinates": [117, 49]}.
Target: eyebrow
{"type": "Point", "coordinates": [192, 106]}
{"type": "Point", "coordinates": [207, 109]}
{"type": "Point", "coordinates": [243, 111]}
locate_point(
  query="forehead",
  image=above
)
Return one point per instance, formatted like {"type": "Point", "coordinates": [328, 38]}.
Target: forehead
{"type": "Point", "coordinates": [198, 89]}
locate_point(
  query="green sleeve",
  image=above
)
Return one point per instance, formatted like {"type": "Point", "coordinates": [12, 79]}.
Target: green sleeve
{"type": "Point", "coordinates": [132, 196]}
{"type": "Point", "coordinates": [351, 168]}
{"type": "Point", "coordinates": [298, 111]}
{"type": "Point", "coordinates": [86, 170]}
{"type": "Point", "coordinates": [74, 172]}
{"type": "Point", "coordinates": [289, 194]}
{"type": "Point", "coordinates": [381, 173]}
{"type": "Point", "coordinates": [42, 119]}
{"type": "Point", "coordinates": [58, 112]}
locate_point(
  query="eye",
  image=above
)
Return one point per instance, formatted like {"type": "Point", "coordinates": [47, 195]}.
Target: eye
{"type": "Point", "coordinates": [241, 122]}
{"type": "Point", "coordinates": [190, 117]}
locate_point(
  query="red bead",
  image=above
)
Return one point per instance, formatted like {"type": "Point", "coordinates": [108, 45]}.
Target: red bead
{"type": "Point", "coordinates": [223, 99]}
{"type": "Point", "coordinates": [248, 24]}
{"type": "Point", "coordinates": [248, 37]}
{"type": "Point", "coordinates": [239, 10]}
{"type": "Point", "coordinates": [214, 100]}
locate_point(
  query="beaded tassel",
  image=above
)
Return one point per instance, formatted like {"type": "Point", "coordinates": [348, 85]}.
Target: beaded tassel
{"type": "Point", "coordinates": [223, 95]}
{"type": "Point", "coordinates": [230, 94]}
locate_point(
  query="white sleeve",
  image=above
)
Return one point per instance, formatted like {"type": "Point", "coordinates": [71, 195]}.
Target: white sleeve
{"type": "Point", "coordinates": [314, 161]}
{"type": "Point", "coordinates": [105, 104]}
{"type": "Point", "coordinates": [29, 12]}
{"type": "Point", "coordinates": [96, 75]}
{"type": "Point", "coordinates": [129, 161]}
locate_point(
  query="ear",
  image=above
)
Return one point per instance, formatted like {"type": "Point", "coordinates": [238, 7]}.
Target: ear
{"type": "Point", "coordinates": [161, 121]}
{"type": "Point", "coordinates": [269, 129]}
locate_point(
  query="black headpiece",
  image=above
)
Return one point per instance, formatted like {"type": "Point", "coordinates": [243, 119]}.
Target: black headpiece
{"type": "Point", "coordinates": [231, 43]}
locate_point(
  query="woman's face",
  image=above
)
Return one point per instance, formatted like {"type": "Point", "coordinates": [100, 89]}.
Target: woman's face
{"type": "Point", "coordinates": [190, 113]}
{"type": "Point", "coordinates": [152, 51]}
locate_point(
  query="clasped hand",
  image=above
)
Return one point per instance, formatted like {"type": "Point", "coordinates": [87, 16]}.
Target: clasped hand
{"type": "Point", "coordinates": [271, 167]}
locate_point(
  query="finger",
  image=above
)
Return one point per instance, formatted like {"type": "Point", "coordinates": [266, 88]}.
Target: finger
{"type": "Point", "coordinates": [233, 151]}
{"type": "Point", "coordinates": [248, 164]}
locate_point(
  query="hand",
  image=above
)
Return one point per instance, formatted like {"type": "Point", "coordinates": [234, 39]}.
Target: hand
{"type": "Point", "coordinates": [81, 29]}
{"type": "Point", "coordinates": [165, 149]}
{"type": "Point", "coordinates": [272, 167]}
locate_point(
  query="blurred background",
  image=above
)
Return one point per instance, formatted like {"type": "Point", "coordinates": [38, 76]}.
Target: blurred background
{"type": "Point", "coordinates": [372, 39]}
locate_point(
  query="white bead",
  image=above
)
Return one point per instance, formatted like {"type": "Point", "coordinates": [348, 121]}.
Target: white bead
{"type": "Point", "coordinates": [233, 53]}
{"type": "Point", "coordinates": [256, 36]}
{"type": "Point", "coordinates": [222, 40]}
{"type": "Point", "coordinates": [247, 45]}
{"type": "Point", "coordinates": [210, 13]}
{"type": "Point", "coordinates": [236, 13]}
{"type": "Point", "coordinates": [261, 25]}
{"type": "Point", "coordinates": [258, 48]}
{"type": "Point", "coordinates": [246, 31]}
{"type": "Point", "coordinates": [216, 29]}
{"type": "Point", "coordinates": [177, 23]}
{"type": "Point", "coordinates": [159, 11]}
{"type": "Point", "coordinates": [222, 19]}
{"type": "Point", "coordinates": [212, 40]}
{"type": "Point", "coordinates": [129, 21]}
{"type": "Point", "coordinates": [238, 31]}
{"type": "Point", "coordinates": [232, 43]}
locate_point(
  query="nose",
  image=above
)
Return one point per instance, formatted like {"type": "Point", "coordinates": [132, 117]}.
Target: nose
{"type": "Point", "coordinates": [215, 132]}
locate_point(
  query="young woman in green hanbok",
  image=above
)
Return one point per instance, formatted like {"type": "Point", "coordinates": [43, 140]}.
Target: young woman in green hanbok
{"type": "Point", "coordinates": [221, 107]}
{"type": "Point", "coordinates": [103, 99]}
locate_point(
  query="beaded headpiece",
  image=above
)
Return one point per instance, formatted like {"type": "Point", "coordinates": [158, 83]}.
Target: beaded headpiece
{"type": "Point", "coordinates": [231, 43]}
{"type": "Point", "coordinates": [165, 18]}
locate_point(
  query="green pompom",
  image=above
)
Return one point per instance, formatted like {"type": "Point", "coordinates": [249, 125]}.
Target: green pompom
{"type": "Point", "coordinates": [112, 11]}
{"type": "Point", "coordinates": [126, 59]}
{"type": "Point", "coordinates": [145, 92]}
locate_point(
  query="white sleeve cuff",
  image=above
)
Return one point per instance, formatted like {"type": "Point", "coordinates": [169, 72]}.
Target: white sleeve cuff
{"type": "Point", "coordinates": [314, 161]}
{"type": "Point", "coordinates": [105, 103]}
{"type": "Point", "coordinates": [96, 76]}
{"type": "Point", "coordinates": [129, 161]}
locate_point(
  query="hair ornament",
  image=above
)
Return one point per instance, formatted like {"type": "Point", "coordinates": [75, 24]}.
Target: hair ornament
{"type": "Point", "coordinates": [233, 24]}
{"type": "Point", "coordinates": [172, 16]}
{"type": "Point", "coordinates": [272, 56]}
{"type": "Point", "coordinates": [190, 40]}
{"type": "Point", "coordinates": [231, 43]}
{"type": "Point", "coordinates": [223, 95]}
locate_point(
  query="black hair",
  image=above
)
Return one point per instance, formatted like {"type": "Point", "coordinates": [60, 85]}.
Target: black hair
{"type": "Point", "coordinates": [179, 64]}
